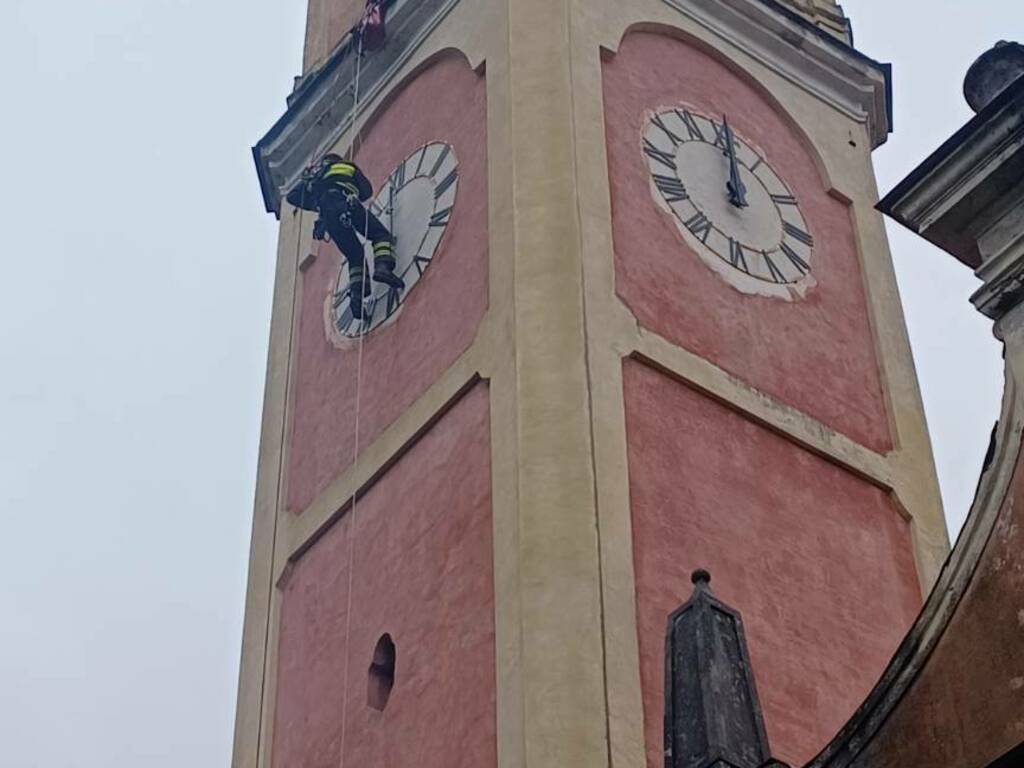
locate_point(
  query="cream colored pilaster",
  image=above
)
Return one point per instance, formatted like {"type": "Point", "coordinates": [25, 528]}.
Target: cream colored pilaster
{"type": "Point", "coordinates": [294, 238]}
{"type": "Point", "coordinates": [915, 485]}
{"type": "Point", "coordinates": [559, 570]}
{"type": "Point", "coordinates": [500, 346]}
{"type": "Point", "coordinates": [611, 332]}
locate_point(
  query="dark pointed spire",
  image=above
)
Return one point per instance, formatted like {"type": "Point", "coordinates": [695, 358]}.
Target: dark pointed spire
{"type": "Point", "coordinates": [712, 713]}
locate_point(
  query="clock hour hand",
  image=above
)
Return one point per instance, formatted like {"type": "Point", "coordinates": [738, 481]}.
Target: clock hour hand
{"type": "Point", "coordinates": [737, 191]}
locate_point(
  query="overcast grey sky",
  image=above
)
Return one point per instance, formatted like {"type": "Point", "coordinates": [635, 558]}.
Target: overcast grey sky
{"type": "Point", "coordinates": [134, 312]}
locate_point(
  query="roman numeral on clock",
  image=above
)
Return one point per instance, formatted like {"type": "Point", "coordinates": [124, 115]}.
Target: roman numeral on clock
{"type": "Point", "coordinates": [445, 184]}
{"type": "Point", "coordinates": [784, 199]}
{"type": "Point", "coordinates": [440, 160]}
{"type": "Point", "coordinates": [659, 155]}
{"type": "Point", "coordinates": [345, 320]}
{"type": "Point", "coordinates": [369, 307]}
{"type": "Point", "coordinates": [721, 140]}
{"type": "Point", "coordinates": [671, 188]}
{"type": "Point", "coordinates": [736, 257]}
{"type": "Point", "coordinates": [802, 266]}
{"type": "Point", "coordinates": [440, 219]}
{"type": "Point", "coordinates": [658, 121]}
{"type": "Point", "coordinates": [775, 272]}
{"type": "Point", "coordinates": [421, 263]}
{"type": "Point", "coordinates": [691, 124]}
{"type": "Point", "coordinates": [797, 234]}
{"type": "Point", "coordinates": [394, 300]}
{"type": "Point", "coordinates": [419, 164]}
{"type": "Point", "coordinates": [398, 177]}
{"type": "Point", "coordinates": [700, 225]}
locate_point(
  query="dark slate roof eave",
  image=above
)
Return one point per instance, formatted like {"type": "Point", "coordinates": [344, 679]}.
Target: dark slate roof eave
{"type": "Point", "coordinates": [884, 68]}
{"type": "Point", "coordinates": [306, 87]}
{"type": "Point", "coordinates": [888, 203]}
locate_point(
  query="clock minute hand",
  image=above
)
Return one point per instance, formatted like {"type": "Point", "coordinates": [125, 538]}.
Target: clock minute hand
{"type": "Point", "coordinates": [737, 191]}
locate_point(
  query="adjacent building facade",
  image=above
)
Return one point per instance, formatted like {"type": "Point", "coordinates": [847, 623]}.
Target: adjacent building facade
{"type": "Point", "coordinates": [652, 326]}
{"type": "Point", "coordinates": [953, 695]}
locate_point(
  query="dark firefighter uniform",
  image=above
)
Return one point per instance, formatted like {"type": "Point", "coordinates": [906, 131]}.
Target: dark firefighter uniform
{"type": "Point", "coordinates": [337, 189]}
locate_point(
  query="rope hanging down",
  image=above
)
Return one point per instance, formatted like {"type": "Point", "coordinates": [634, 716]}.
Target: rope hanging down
{"type": "Point", "coordinates": [373, 19]}
{"type": "Point", "coordinates": [369, 34]}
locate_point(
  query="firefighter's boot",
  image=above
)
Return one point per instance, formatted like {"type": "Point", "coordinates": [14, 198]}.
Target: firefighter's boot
{"type": "Point", "coordinates": [384, 267]}
{"type": "Point", "coordinates": [359, 288]}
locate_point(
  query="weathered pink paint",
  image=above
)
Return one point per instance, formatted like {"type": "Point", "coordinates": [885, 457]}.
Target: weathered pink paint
{"type": "Point", "coordinates": [440, 316]}
{"type": "Point", "coordinates": [423, 574]}
{"type": "Point", "coordinates": [817, 561]}
{"type": "Point", "coordinates": [817, 354]}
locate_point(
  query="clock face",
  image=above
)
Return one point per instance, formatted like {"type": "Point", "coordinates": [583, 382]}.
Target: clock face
{"type": "Point", "coordinates": [415, 204]}
{"type": "Point", "coordinates": [756, 238]}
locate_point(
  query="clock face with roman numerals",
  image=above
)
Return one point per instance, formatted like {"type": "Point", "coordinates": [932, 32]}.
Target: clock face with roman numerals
{"type": "Point", "coordinates": [757, 238]}
{"type": "Point", "coordinates": [415, 203]}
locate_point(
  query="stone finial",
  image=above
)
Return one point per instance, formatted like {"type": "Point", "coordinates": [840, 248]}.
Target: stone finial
{"type": "Point", "coordinates": [712, 713]}
{"type": "Point", "coordinates": [994, 71]}
{"type": "Point", "coordinates": [700, 576]}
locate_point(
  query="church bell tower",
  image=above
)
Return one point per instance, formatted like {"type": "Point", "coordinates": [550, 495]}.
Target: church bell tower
{"type": "Point", "coordinates": [650, 325]}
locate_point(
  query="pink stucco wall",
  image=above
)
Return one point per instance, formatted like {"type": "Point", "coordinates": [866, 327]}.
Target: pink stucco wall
{"type": "Point", "coordinates": [440, 316]}
{"type": "Point", "coordinates": [818, 562]}
{"type": "Point", "coordinates": [423, 574]}
{"type": "Point", "coordinates": [817, 354]}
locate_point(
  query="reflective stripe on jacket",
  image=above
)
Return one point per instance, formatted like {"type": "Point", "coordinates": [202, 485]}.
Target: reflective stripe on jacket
{"type": "Point", "coordinates": [343, 176]}
{"type": "Point", "coordinates": [349, 178]}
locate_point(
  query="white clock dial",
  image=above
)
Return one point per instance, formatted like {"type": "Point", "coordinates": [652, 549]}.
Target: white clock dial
{"type": "Point", "coordinates": [756, 238]}
{"type": "Point", "coordinates": [415, 204]}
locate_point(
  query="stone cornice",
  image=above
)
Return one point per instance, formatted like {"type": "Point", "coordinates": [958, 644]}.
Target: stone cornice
{"type": "Point", "coordinates": [804, 53]}
{"type": "Point", "coordinates": [947, 199]}
{"type": "Point", "coordinates": [323, 106]}
{"type": "Point", "coordinates": [1003, 278]}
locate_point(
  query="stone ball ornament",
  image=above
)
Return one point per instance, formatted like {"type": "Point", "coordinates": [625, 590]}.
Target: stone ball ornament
{"type": "Point", "coordinates": [994, 71]}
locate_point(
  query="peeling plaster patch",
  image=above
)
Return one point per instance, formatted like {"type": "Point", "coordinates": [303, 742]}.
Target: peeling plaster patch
{"type": "Point", "coordinates": [1017, 683]}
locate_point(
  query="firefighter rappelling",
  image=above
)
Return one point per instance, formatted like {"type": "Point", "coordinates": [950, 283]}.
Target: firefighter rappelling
{"type": "Point", "coordinates": [336, 189]}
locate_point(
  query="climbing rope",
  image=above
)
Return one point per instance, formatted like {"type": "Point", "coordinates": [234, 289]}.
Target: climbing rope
{"type": "Point", "coordinates": [363, 328]}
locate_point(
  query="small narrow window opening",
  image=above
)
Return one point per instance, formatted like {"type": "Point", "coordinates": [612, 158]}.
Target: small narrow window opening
{"type": "Point", "coordinates": [382, 674]}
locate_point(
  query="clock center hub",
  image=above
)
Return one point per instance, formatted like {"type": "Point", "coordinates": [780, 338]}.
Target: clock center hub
{"type": "Point", "coordinates": [757, 226]}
